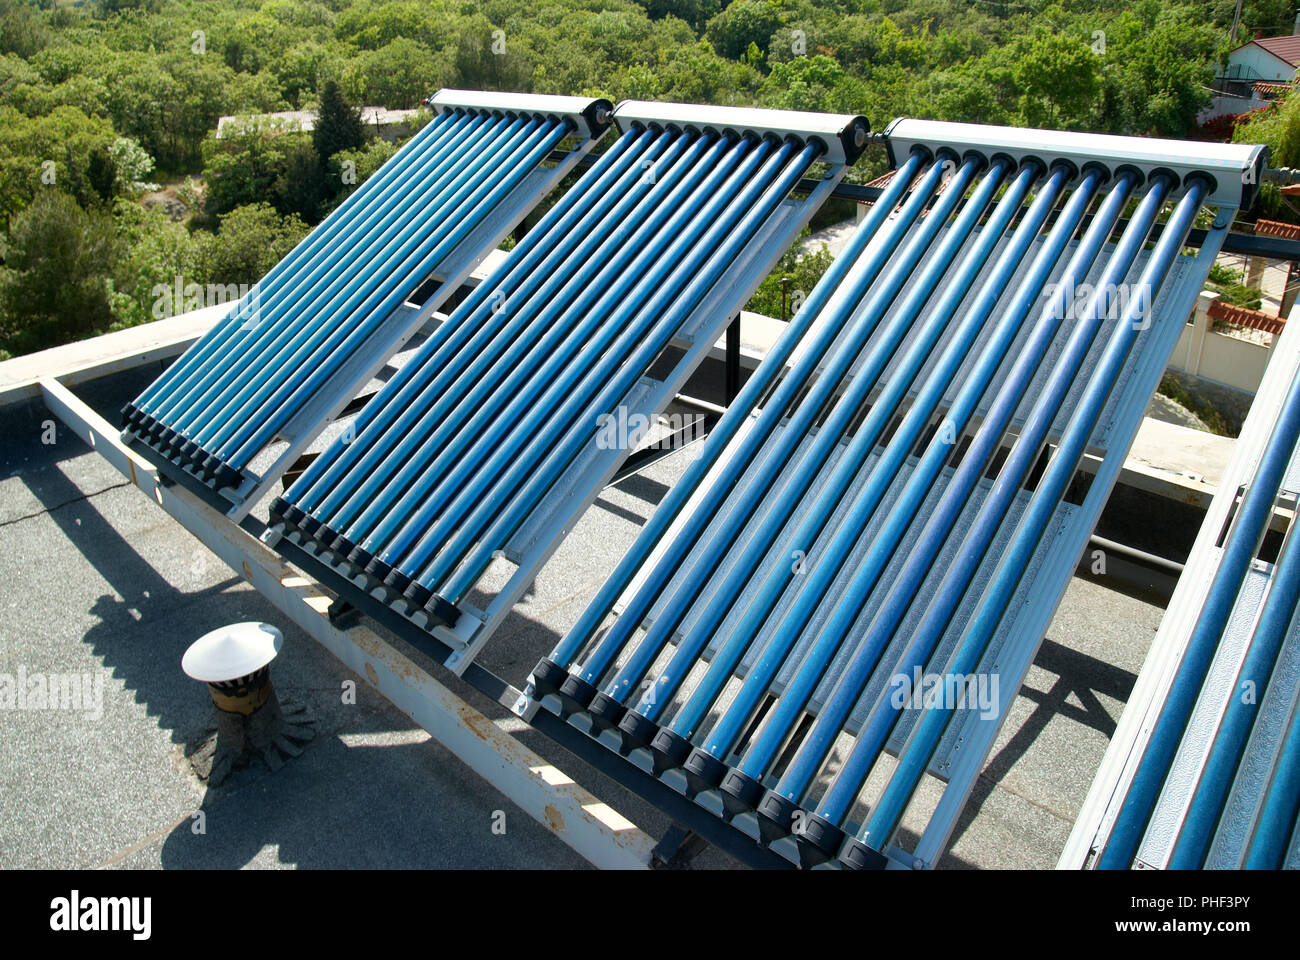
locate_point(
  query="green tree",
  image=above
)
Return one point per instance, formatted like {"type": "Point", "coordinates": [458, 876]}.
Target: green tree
{"type": "Point", "coordinates": [1059, 78]}
{"type": "Point", "coordinates": [155, 253]}
{"type": "Point", "coordinates": [742, 23]}
{"type": "Point", "coordinates": [47, 154]}
{"type": "Point", "coordinates": [695, 12]}
{"type": "Point", "coordinates": [338, 124]}
{"type": "Point", "coordinates": [55, 284]}
{"type": "Point", "coordinates": [250, 241]}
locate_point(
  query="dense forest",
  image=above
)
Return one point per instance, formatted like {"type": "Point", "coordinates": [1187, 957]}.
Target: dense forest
{"type": "Point", "coordinates": [113, 183]}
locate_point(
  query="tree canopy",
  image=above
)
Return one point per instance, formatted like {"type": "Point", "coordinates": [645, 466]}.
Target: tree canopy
{"type": "Point", "coordinates": [103, 102]}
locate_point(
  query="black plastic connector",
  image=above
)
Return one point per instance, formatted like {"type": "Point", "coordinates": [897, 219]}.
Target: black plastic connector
{"type": "Point", "coordinates": [227, 476]}
{"type": "Point", "coordinates": [417, 593]}
{"type": "Point", "coordinates": [393, 577]}
{"type": "Point", "coordinates": [856, 855]}
{"type": "Point", "coordinates": [703, 771]}
{"type": "Point", "coordinates": [578, 691]}
{"type": "Point", "coordinates": [547, 677]}
{"type": "Point", "coordinates": [442, 611]}
{"type": "Point", "coordinates": [638, 730]}
{"type": "Point", "coordinates": [775, 816]}
{"type": "Point", "coordinates": [379, 570]}
{"type": "Point", "coordinates": [669, 750]}
{"type": "Point", "coordinates": [310, 525]}
{"type": "Point", "coordinates": [605, 711]}
{"type": "Point", "coordinates": [341, 545]}
{"type": "Point", "coordinates": [573, 691]}
{"type": "Point", "coordinates": [822, 836]}
{"type": "Point", "coordinates": [741, 793]}
{"type": "Point", "coordinates": [360, 557]}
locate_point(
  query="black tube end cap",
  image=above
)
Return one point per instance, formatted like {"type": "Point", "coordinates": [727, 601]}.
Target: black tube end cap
{"type": "Point", "coordinates": [577, 691]}
{"type": "Point", "coordinates": [381, 571]}
{"type": "Point", "coordinates": [309, 524]}
{"type": "Point", "coordinates": [822, 836]}
{"type": "Point", "coordinates": [703, 770]}
{"type": "Point", "coordinates": [417, 593]}
{"type": "Point", "coordinates": [740, 793]}
{"type": "Point", "coordinates": [669, 750]}
{"type": "Point", "coordinates": [856, 855]}
{"type": "Point", "coordinates": [442, 611]}
{"type": "Point", "coordinates": [606, 712]}
{"type": "Point", "coordinates": [226, 476]}
{"type": "Point", "coordinates": [396, 579]}
{"type": "Point", "coordinates": [547, 677]}
{"type": "Point", "coordinates": [360, 557]}
{"type": "Point", "coordinates": [775, 816]}
{"type": "Point", "coordinates": [638, 730]}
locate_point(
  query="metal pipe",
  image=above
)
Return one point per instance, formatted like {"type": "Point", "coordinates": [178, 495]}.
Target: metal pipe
{"type": "Point", "coordinates": [882, 412]}
{"type": "Point", "coordinates": [241, 444]}
{"type": "Point", "coordinates": [1276, 825]}
{"type": "Point", "coordinates": [611, 376]}
{"type": "Point", "coordinates": [903, 510]}
{"type": "Point", "coordinates": [772, 480]}
{"type": "Point", "coordinates": [466, 389]}
{"type": "Point", "coordinates": [967, 475]}
{"type": "Point", "coordinates": [1225, 754]}
{"type": "Point", "coordinates": [443, 126]}
{"type": "Point", "coordinates": [312, 275]}
{"type": "Point", "coordinates": [438, 511]}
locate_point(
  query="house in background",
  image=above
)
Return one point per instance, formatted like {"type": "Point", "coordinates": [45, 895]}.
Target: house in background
{"type": "Point", "coordinates": [1268, 59]}
{"type": "Point", "coordinates": [1258, 72]}
{"type": "Point", "coordinates": [389, 124]}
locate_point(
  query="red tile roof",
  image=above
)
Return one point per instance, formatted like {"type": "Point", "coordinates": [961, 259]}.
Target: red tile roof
{"type": "Point", "coordinates": [1245, 317]}
{"type": "Point", "coordinates": [1264, 87]}
{"type": "Point", "coordinates": [1284, 48]}
{"type": "Point", "coordinates": [1274, 228]}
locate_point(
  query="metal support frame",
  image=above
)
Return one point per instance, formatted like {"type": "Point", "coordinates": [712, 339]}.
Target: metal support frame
{"type": "Point", "coordinates": [732, 386]}
{"type": "Point", "coordinates": [591, 828]}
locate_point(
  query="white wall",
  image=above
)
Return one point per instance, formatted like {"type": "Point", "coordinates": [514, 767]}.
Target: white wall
{"type": "Point", "coordinates": [1253, 62]}
{"type": "Point", "coordinates": [1216, 356]}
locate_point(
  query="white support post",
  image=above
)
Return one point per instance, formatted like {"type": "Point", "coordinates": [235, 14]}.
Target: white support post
{"type": "Point", "coordinates": [1201, 329]}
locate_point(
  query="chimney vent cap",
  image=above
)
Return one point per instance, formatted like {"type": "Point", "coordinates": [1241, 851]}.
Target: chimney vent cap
{"type": "Point", "coordinates": [232, 651]}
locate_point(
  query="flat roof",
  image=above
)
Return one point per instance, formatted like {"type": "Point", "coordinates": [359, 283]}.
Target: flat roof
{"type": "Point", "coordinates": [102, 582]}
